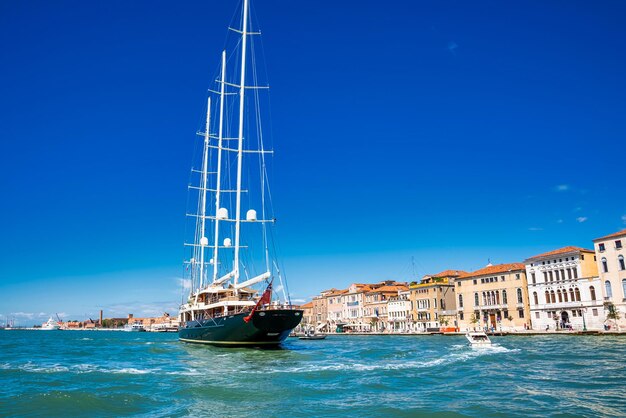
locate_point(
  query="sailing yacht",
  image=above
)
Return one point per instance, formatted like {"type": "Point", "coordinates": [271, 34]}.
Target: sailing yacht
{"type": "Point", "coordinates": [231, 266]}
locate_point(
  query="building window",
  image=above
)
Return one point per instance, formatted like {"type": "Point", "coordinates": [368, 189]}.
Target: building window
{"type": "Point", "coordinates": [571, 295]}
{"type": "Point", "coordinates": [537, 315]}
{"type": "Point", "coordinates": [517, 276]}
{"type": "Point", "coordinates": [556, 273]}
{"type": "Point", "coordinates": [475, 281]}
{"type": "Point", "coordinates": [460, 301]}
{"type": "Point", "coordinates": [475, 299]}
{"type": "Point", "coordinates": [605, 267]}
{"type": "Point", "coordinates": [552, 296]}
{"type": "Point", "coordinates": [559, 295]}
{"type": "Point", "coordinates": [520, 299]}
{"type": "Point", "coordinates": [600, 247]}
{"type": "Point", "coordinates": [562, 274]}
{"type": "Point", "coordinates": [504, 301]}
{"type": "Point", "coordinates": [607, 289]}
{"type": "Point", "coordinates": [461, 316]}
{"type": "Point", "coordinates": [535, 298]}
{"type": "Point", "coordinates": [577, 292]}
{"type": "Point", "coordinates": [575, 270]}
{"type": "Point", "coordinates": [569, 274]}
{"type": "Point", "coordinates": [532, 275]}
{"type": "Point", "coordinates": [618, 244]}
{"type": "Point", "coordinates": [547, 297]}
{"type": "Point", "coordinates": [594, 311]}
{"type": "Point", "coordinates": [551, 276]}
{"type": "Point", "coordinates": [624, 287]}
{"type": "Point", "coordinates": [520, 313]}
{"type": "Point", "coordinates": [564, 295]}
{"type": "Point", "coordinates": [545, 277]}
{"type": "Point", "coordinates": [620, 261]}
{"type": "Point", "coordinates": [592, 290]}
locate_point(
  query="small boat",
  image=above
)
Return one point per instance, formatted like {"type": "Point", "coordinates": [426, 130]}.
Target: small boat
{"type": "Point", "coordinates": [51, 325]}
{"type": "Point", "coordinates": [136, 327]}
{"type": "Point", "coordinates": [312, 337]}
{"type": "Point", "coordinates": [478, 339]}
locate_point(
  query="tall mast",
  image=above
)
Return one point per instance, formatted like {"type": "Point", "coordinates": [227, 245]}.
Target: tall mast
{"type": "Point", "coordinates": [242, 89]}
{"type": "Point", "coordinates": [203, 240]}
{"type": "Point", "coordinates": [219, 167]}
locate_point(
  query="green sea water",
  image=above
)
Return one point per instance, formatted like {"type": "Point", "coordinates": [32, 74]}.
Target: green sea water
{"type": "Point", "coordinates": [110, 374]}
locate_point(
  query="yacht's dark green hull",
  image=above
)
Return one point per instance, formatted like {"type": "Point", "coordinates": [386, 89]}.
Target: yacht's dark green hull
{"type": "Point", "coordinates": [266, 328]}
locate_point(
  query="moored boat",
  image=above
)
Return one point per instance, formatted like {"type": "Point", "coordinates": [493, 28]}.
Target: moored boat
{"type": "Point", "coordinates": [230, 255]}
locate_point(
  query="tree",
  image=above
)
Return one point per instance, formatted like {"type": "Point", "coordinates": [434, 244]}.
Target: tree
{"type": "Point", "coordinates": [474, 319]}
{"type": "Point", "coordinates": [612, 314]}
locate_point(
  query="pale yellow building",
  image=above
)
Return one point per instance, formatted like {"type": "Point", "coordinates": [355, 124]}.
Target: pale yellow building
{"type": "Point", "coordinates": [610, 257]}
{"type": "Point", "coordinates": [494, 297]}
{"type": "Point", "coordinates": [375, 310]}
{"type": "Point", "coordinates": [433, 301]}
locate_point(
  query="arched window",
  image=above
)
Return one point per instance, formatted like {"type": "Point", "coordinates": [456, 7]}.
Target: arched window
{"type": "Point", "coordinates": [605, 267]}
{"type": "Point", "coordinates": [484, 298]}
{"type": "Point", "coordinates": [559, 295]}
{"type": "Point", "coordinates": [547, 297]}
{"type": "Point", "coordinates": [504, 301]}
{"type": "Point", "coordinates": [564, 295]}
{"type": "Point", "coordinates": [493, 298]}
{"type": "Point", "coordinates": [520, 299]}
{"type": "Point", "coordinates": [497, 297]}
{"type": "Point", "coordinates": [571, 295]}
{"type": "Point", "coordinates": [460, 301]}
{"type": "Point", "coordinates": [577, 292]}
{"type": "Point", "coordinates": [624, 287]}
{"type": "Point", "coordinates": [607, 289]}
{"type": "Point", "coordinates": [535, 298]}
{"type": "Point", "coordinates": [552, 296]}
{"type": "Point", "coordinates": [620, 261]}
{"type": "Point", "coordinates": [592, 290]}
{"type": "Point", "coordinates": [475, 299]}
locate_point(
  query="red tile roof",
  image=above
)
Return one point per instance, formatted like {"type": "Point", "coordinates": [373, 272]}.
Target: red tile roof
{"type": "Point", "coordinates": [308, 305]}
{"type": "Point", "coordinates": [450, 273]}
{"type": "Point", "coordinates": [389, 289]}
{"type": "Point", "coordinates": [614, 235]}
{"type": "Point", "coordinates": [564, 250]}
{"type": "Point", "coordinates": [500, 268]}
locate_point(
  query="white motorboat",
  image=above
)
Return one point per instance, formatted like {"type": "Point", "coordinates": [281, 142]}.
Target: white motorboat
{"type": "Point", "coordinates": [136, 327]}
{"type": "Point", "coordinates": [478, 339]}
{"type": "Point", "coordinates": [51, 325]}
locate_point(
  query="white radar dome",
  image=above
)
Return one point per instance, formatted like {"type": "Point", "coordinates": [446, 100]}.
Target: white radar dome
{"type": "Point", "coordinates": [251, 215]}
{"type": "Point", "coordinates": [222, 213]}
{"type": "Point", "coordinates": [204, 241]}
{"type": "Point", "coordinates": [227, 242]}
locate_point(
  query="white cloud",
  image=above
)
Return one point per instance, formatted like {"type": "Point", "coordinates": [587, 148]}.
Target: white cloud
{"type": "Point", "coordinates": [624, 218]}
{"type": "Point", "coordinates": [185, 284]}
{"type": "Point", "coordinates": [534, 228]}
{"type": "Point", "coordinates": [25, 315]}
{"type": "Point", "coordinates": [562, 187]}
{"type": "Point", "coordinates": [581, 219]}
{"type": "Point", "coordinates": [298, 300]}
{"type": "Point", "coordinates": [559, 221]}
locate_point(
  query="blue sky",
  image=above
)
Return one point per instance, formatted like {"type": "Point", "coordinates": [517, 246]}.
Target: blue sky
{"type": "Point", "coordinates": [451, 132]}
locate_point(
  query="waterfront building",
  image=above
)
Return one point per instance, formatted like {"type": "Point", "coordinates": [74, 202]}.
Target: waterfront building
{"type": "Point", "coordinates": [611, 261]}
{"type": "Point", "coordinates": [352, 308]}
{"type": "Point", "coordinates": [564, 290]}
{"type": "Point", "coordinates": [375, 308]}
{"type": "Point", "coordinates": [308, 318]}
{"type": "Point", "coordinates": [400, 317]}
{"type": "Point", "coordinates": [433, 301]}
{"type": "Point", "coordinates": [320, 309]}
{"type": "Point", "coordinates": [494, 297]}
{"type": "Point", "coordinates": [334, 308]}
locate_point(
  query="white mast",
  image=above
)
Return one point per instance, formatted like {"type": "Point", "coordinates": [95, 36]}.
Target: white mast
{"type": "Point", "coordinates": [219, 167]}
{"type": "Point", "coordinates": [242, 89]}
{"type": "Point", "coordinates": [203, 240]}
